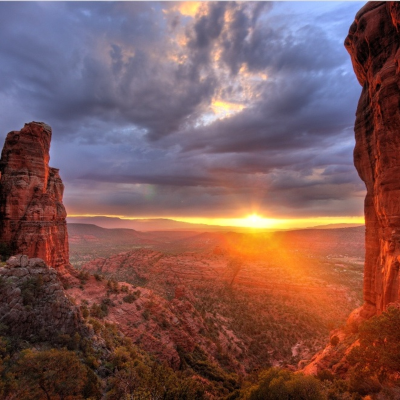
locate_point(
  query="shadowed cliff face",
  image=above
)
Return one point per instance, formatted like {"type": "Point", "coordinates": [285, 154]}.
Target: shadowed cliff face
{"type": "Point", "coordinates": [373, 43]}
{"type": "Point", "coordinates": [32, 216]}
{"type": "Point", "coordinates": [33, 301]}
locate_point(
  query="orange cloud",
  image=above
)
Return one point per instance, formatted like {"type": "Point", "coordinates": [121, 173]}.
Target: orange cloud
{"type": "Point", "coordinates": [226, 108]}
{"type": "Point", "coordinates": [189, 8]}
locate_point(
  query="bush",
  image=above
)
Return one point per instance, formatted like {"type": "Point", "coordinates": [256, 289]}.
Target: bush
{"type": "Point", "coordinates": [113, 286]}
{"type": "Point", "coordinates": [85, 312]}
{"type": "Point", "coordinates": [83, 276]}
{"type": "Point", "coordinates": [363, 384]}
{"type": "Point", "coordinates": [30, 289]}
{"type": "Point", "coordinates": [277, 384]}
{"type": "Point", "coordinates": [99, 311]}
{"type": "Point", "coordinates": [325, 375]}
{"type": "Point", "coordinates": [131, 297]}
{"type": "Point", "coordinates": [50, 374]}
{"type": "Point", "coordinates": [334, 340]}
{"type": "Point", "coordinates": [379, 350]}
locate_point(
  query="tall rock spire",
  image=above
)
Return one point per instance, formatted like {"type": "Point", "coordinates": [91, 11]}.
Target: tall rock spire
{"type": "Point", "coordinates": [32, 215]}
{"type": "Point", "coordinates": [373, 43]}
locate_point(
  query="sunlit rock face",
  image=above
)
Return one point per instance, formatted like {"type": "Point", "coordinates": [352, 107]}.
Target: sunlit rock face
{"type": "Point", "coordinates": [32, 215]}
{"type": "Point", "coordinates": [373, 43]}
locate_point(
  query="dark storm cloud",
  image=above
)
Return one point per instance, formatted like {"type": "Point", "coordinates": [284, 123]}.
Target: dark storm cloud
{"type": "Point", "coordinates": [128, 88]}
{"type": "Point", "coordinates": [208, 27]}
{"type": "Point", "coordinates": [303, 111]}
{"type": "Point", "coordinates": [70, 62]}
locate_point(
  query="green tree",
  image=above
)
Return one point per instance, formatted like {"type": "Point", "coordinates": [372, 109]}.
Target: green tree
{"type": "Point", "coordinates": [278, 384]}
{"type": "Point", "coordinates": [379, 350]}
{"type": "Point", "coordinates": [50, 374]}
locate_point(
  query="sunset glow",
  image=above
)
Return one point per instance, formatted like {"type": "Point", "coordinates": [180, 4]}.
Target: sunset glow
{"type": "Point", "coordinates": [189, 8]}
{"type": "Point", "coordinates": [191, 111]}
{"type": "Point", "coordinates": [256, 222]}
{"type": "Point", "coordinates": [252, 221]}
{"type": "Point", "coordinates": [224, 108]}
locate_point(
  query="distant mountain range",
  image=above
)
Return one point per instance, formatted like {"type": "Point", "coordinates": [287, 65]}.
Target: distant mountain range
{"type": "Point", "coordinates": [165, 224]}
{"type": "Point", "coordinates": [146, 225]}
{"type": "Point", "coordinates": [335, 226]}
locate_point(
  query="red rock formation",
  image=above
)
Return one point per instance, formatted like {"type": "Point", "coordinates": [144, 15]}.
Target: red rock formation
{"type": "Point", "coordinates": [373, 43]}
{"type": "Point", "coordinates": [374, 46]}
{"type": "Point", "coordinates": [32, 215]}
{"type": "Point", "coordinates": [33, 302]}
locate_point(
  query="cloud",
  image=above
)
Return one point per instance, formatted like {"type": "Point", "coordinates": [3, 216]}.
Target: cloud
{"type": "Point", "coordinates": [215, 106]}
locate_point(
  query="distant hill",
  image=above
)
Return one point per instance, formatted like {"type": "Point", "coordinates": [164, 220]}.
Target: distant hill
{"type": "Point", "coordinates": [166, 224]}
{"type": "Point", "coordinates": [335, 226]}
{"type": "Point", "coordinates": [88, 241]}
{"type": "Point", "coordinates": [146, 225]}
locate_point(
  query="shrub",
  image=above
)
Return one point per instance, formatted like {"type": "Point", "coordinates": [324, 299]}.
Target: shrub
{"type": "Point", "coordinates": [325, 375]}
{"type": "Point", "coordinates": [363, 384]}
{"type": "Point", "coordinates": [50, 374]}
{"type": "Point", "coordinates": [85, 312]}
{"type": "Point", "coordinates": [30, 289]}
{"type": "Point", "coordinates": [146, 314]}
{"type": "Point", "coordinates": [334, 340]}
{"type": "Point", "coordinates": [99, 311]}
{"type": "Point", "coordinates": [113, 286]}
{"type": "Point", "coordinates": [83, 276]}
{"type": "Point", "coordinates": [379, 350]}
{"type": "Point", "coordinates": [277, 384]}
{"type": "Point", "coordinates": [131, 297]}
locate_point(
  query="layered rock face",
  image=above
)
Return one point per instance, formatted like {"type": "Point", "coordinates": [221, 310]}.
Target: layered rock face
{"type": "Point", "coordinates": [373, 43]}
{"type": "Point", "coordinates": [32, 215]}
{"type": "Point", "coordinates": [374, 46]}
{"type": "Point", "coordinates": [33, 303]}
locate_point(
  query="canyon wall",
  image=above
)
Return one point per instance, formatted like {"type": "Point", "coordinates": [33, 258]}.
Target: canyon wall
{"type": "Point", "coordinates": [32, 215]}
{"type": "Point", "coordinates": [373, 43]}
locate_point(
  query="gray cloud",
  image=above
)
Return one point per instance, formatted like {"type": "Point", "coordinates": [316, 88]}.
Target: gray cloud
{"type": "Point", "coordinates": [130, 90]}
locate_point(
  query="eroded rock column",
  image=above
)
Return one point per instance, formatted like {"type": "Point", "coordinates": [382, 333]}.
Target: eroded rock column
{"type": "Point", "coordinates": [32, 215]}
{"type": "Point", "coordinates": [373, 43]}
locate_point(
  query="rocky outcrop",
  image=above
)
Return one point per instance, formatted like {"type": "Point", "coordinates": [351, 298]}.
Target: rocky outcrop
{"type": "Point", "coordinates": [32, 215]}
{"type": "Point", "coordinates": [373, 43]}
{"type": "Point", "coordinates": [374, 46]}
{"type": "Point", "coordinates": [33, 304]}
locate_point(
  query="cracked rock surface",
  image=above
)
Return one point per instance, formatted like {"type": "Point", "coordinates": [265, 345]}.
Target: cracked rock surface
{"type": "Point", "coordinates": [33, 304]}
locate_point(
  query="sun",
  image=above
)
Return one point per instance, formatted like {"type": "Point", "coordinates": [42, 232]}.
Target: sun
{"type": "Point", "coordinates": [255, 221]}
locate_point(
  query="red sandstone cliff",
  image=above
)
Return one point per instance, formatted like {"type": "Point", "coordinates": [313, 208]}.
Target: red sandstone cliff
{"type": "Point", "coordinates": [374, 46]}
{"type": "Point", "coordinates": [32, 215]}
{"type": "Point", "coordinates": [373, 43]}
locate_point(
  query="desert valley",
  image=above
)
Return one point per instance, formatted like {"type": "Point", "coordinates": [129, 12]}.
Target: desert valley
{"type": "Point", "coordinates": [102, 307]}
{"type": "Point", "coordinates": [209, 309]}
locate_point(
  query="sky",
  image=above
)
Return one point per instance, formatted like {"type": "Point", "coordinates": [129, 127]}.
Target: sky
{"type": "Point", "coordinates": [209, 111]}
